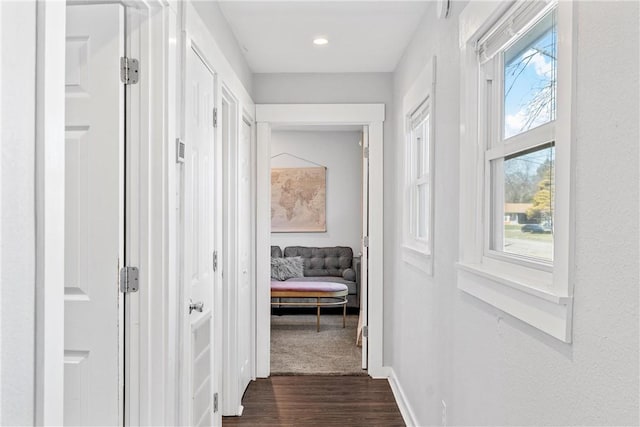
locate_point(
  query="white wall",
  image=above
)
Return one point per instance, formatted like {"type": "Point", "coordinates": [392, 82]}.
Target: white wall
{"type": "Point", "coordinates": [17, 212]}
{"type": "Point", "coordinates": [220, 30]}
{"type": "Point", "coordinates": [490, 368]}
{"type": "Point", "coordinates": [317, 88]}
{"type": "Point", "coordinates": [418, 307]}
{"type": "Point", "coordinates": [341, 154]}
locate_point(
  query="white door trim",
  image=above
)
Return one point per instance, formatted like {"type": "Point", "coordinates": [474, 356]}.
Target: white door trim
{"type": "Point", "coordinates": [371, 115]}
{"type": "Point", "coordinates": [232, 391]}
{"type": "Point", "coordinates": [229, 125]}
{"type": "Point", "coordinates": [151, 321]}
{"type": "Point", "coordinates": [50, 211]}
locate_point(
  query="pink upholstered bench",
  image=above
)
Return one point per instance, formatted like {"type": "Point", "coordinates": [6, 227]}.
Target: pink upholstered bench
{"type": "Point", "coordinates": [317, 290]}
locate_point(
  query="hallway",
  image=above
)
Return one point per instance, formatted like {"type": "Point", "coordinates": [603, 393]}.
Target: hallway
{"type": "Point", "coordinates": [467, 170]}
{"type": "Point", "coordinates": [318, 401]}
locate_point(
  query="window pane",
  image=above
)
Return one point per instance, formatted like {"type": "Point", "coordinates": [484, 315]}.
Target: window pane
{"type": "Point", "coordinates": [421, 144]}
{"type": "Point", "coordinates": [423, 159]}
{"type": "Point", "coordinates": [529, 187]}
{"type": "Point", "coordinates": [417, 142]}
{"type": "Point", "coordinates": [422, 216]}
{"type": "Point", "coordinates": [530, 78]}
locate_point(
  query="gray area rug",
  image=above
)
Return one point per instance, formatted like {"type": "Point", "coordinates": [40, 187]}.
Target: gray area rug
{"type": "Point", "coordinates": [297, 349]}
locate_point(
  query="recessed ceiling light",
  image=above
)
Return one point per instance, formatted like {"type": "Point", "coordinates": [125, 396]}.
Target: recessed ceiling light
{"type": "Point", "coordinates": [320, 41]}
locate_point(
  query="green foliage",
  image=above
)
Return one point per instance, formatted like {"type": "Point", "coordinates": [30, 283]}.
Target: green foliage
{"type": "Point", "coordinates": [543, 199]}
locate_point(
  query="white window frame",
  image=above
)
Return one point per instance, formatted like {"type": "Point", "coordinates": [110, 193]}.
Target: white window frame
{"type": "Point", "coordinates": [413, 179]}
{"type": "Point", "coordinates": [539, 293]}
{"type": "Point", "coordinates": [418, 106]}
{"type": "Point", "coordinates": [496, 145]}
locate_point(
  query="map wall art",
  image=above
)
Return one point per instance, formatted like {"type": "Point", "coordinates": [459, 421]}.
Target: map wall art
{"type": "Point", "coordinates": [298, 200]}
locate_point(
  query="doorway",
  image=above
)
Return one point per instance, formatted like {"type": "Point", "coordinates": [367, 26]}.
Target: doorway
{"type": "Point", "coordinates": [316, 220]}
{"type": "Point", "coordinates": [371, 116]}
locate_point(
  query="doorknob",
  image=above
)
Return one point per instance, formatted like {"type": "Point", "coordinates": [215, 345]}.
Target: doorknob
{"type": "Point", "coordinates": [197, 306]}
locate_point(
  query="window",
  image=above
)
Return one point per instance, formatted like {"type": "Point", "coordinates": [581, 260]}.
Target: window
{"type": "Point", "coordinates": [418, 179]}
{"type": "Point", "coordinates": [520, 84]}
{"type": "Point", "coordinates": [418, 106]}
{"type": "Point", "coordinates": [515, 222]}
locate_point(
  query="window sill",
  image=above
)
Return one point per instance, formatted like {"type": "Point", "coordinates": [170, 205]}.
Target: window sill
{"type": "Point", "coordinates": [540, 308]}
{"type": "Point", "coordinates": [420, 259]}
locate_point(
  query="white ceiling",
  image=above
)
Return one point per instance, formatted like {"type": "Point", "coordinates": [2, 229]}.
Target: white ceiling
{"type": "Point", "coordinates": [364, 36]}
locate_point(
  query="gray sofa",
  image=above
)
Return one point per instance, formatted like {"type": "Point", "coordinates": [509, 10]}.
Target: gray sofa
{"type": "Point", "coordinates": [333, 264]}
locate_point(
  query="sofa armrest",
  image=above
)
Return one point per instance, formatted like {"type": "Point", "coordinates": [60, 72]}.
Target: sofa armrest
{"type": "Point", "coordinates": [356, 267]}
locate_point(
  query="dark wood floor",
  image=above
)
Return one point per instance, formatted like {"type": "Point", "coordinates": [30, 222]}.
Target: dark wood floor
{"type": "Point", "coordinates": [318, 401]}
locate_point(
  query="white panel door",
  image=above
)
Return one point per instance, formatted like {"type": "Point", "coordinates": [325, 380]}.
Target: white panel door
{"type": "Point", "coordinates": [94, 215]}
{"type": "Point", "coordinates": [364, 262]}
{"type": "Point", "coordinates": [244, 254]}
{"type": "Point", "coordinates": [199, 243]}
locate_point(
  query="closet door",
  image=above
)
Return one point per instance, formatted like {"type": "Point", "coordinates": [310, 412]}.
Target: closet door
{"type": "Point", "coordinates": [94, 216]}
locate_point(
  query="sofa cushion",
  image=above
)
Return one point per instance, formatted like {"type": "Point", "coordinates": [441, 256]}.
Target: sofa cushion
{"type": "Point", "coordinates": [276, 252]}
{"type": "Point", "coordinates": [349, 274]}
{"type": "Point", "coordinates": [286, 268]}
{"type": "Point", "coordinates": [293, 285]}
{"type": "Point", "coordinates": [351, 286]}
{"type": "Point", "coordinates": [331, 261]}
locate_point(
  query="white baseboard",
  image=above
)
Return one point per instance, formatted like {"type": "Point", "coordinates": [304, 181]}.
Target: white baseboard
{"type": "Point", "coordinates": [401, 399]}
{"type": "Point", "coordinates": [382, 372]}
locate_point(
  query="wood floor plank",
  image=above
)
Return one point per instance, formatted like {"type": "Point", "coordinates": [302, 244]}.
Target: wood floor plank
{"type": "Point", "coordinates": [318, 401]}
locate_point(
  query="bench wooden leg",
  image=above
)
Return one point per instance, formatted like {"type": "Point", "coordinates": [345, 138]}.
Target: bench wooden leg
{"type": "Point", "coordinates": [318, 316]}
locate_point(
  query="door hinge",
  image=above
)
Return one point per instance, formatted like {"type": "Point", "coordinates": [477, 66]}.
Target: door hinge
{"type": "Point", "coordinates": [128, 279]}
{"type": "Point", "coordinates": [129, 69]}
{"type": "Point", "coordinates": [366, 152]}
{"type": "Point", "coordinates": [365, 241]}
{"type": "Point", "coordinates": [180, 150]}
{"type": "Point", "coordinates": [215, 117]}
{"type": "Point", "coordinates": [215, 260]}
{"type": "Point", "coordinates": [215, 402]}
{"type": "Point", "coordinates": [365, 331]}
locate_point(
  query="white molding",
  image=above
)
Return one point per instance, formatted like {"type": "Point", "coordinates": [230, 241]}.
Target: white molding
{"type": "Point", "coordinates": [564, 232]}
{"type": "Point", "coordinates": [231, 395]}
{"type": "Point", "coordinates": [476, 18]}
{"type": "Point", "coordinates": [151, 323]}
{"type": "Point", "coordinates": [170, 182]}
{"type": "Point", "coordinates": [254, 198]}
{"type": "Point", "coordinates": [406, 411]}
{"type": "Point", "coordinates": [546, 312]}
{"type": "Point", "coordinates": [197, 31]}
{"type": "Point", "coordinates": [324, 114]}
{"type": "Point", "coordinates": [375, 287]}
{"type": "Point", "coordinates": [518, 283]}
{"type": "Point", "coordinates": [371, 115]}
{"type": "Point", "coordinates": [539, 298]}
{"type": "Point", "coordinates": [263, 244]}
{"type": "Point", "coordinates": [379, 372]}
{"type": "Point", "coordinates": [50, 212]}
{"type": "Point", "coordinates": [418, 258]}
